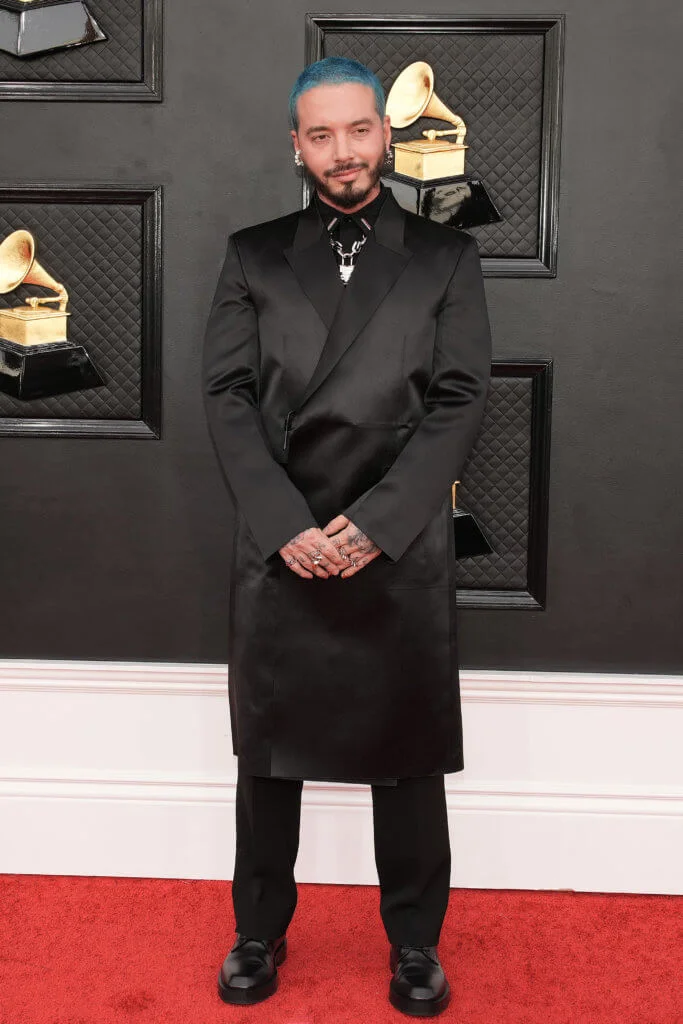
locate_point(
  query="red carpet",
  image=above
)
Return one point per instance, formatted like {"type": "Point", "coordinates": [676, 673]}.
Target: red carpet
{"type": "Point", "coordinates": [110, 950]}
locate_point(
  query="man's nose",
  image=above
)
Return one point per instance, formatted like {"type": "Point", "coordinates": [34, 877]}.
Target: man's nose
{"type": "Point", "coordinates": [343, 151]}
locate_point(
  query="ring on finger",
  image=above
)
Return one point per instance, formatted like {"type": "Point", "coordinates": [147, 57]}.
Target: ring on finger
{"type": "Point", "coordinates": [311, 561]}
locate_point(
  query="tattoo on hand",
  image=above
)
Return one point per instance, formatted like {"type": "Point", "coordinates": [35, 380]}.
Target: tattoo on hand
{"type": "Point", "coordinates": [363, 542]}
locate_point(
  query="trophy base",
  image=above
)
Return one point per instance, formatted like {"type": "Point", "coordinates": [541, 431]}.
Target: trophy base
{"type": "Point", "coordinates": [40, 371]}
{"type": "Point", "coordinates": [460, 201]}
{"type": "Point", "coordinates": [470, 539]}
{"type": "Point", "coordinates": [45, 25]}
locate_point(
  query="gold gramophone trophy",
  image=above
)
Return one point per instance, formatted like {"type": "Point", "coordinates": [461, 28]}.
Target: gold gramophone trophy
{"type": "Point", "coordinates": [28, 27]}
{"type": "Point", "coordinates": [429, 173]}
{"type": "Point", "coordinates": [36, 357]}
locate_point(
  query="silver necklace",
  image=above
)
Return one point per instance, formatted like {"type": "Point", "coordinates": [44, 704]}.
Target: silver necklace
{"type": "Point", "coordinates": [348, 259]}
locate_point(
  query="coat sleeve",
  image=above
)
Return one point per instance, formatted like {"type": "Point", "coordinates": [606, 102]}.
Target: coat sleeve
{"type": "Point", "coordinates": [274, 509]}
{"type": "Point", "coordinates": [394, 510]}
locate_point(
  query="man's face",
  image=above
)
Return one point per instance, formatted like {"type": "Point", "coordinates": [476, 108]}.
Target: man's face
{"type": "Point", "coordinates": [343, 141]}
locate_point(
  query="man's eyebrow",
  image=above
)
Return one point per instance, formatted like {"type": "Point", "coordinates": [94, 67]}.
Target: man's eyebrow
{"type": "Point", "coordinates": [325, 127]}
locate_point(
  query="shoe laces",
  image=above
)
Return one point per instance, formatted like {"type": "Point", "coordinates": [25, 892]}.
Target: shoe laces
{"type": "Point", "coordinates": [243, 939]}
{"type": "Point", "coordinates": [428, 951]}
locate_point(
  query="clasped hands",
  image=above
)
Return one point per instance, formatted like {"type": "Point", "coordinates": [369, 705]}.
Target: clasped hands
{"type": "Point", "coordinates": [340, 549]}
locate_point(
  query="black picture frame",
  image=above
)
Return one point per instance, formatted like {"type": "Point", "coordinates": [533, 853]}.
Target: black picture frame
{"type": "Point", "coordinates": [533, 595]}
{"type": "Point", "coordinates": [148, 89]}
{"type": "Point", "coordinates": [552, 30]}
{"type": "Point", "coordinates": [149, 199]}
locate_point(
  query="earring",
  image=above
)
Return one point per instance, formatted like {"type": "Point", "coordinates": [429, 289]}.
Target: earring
{"type": "Point", "coordinates": [297, 158]}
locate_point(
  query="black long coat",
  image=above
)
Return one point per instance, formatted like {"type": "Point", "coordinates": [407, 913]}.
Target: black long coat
{"type": "Point", "coordinates": [365, 400]}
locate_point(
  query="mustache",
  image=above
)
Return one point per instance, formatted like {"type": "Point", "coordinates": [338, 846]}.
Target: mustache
{"type": "Point", "coordinates": [342, 170]}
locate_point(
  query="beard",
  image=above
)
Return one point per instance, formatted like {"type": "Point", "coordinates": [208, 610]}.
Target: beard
{"type": "Point", "coordinates": [351, 194]}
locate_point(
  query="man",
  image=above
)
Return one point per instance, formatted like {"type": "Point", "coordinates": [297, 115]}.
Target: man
{"type": "Point", "coordinates": [346, 367]}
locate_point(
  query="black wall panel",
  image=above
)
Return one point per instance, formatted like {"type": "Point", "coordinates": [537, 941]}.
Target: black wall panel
{"type": "Point", "coordinates": [119, 548]}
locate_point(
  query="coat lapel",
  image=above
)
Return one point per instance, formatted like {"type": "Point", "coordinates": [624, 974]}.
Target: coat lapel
{"type": "Point", "coordinates": [311, 258]}
{"type": "Point", "coordinates": [382, 259]}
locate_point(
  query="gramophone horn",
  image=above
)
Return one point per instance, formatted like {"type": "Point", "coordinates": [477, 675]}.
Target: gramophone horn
{"type": "Point", "coordinates": [18, 265]}
{"type": "Point", "coordinates": [409, 94]}
{"type": "Point", "coordinates": [16, 257]}
{"type": "Point", "coordinates": [412, 95]}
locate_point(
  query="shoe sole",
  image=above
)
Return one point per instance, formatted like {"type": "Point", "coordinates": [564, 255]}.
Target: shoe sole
{"type": "Point", "coordinates": [256, 994]}
{"type": "Point", "coordinates": [420, 1007]}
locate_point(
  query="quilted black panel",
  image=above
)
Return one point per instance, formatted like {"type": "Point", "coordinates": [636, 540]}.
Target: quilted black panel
{"type": "Point", "coordinates": [495, 82]}
{"type": "Point", "coordinates": [96, 252]}
{"type": "Point", "coordinates": [495, 488]}
{"type": "Point", "coordinates": [116, 59]}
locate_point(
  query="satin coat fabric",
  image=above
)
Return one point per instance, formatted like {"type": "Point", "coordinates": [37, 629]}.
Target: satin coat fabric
{"type": "Point", "coordinates": [365, 400]}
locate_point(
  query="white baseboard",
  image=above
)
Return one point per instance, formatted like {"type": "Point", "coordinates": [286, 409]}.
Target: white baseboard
{"type": "Point", "coordinates": [573, 780]}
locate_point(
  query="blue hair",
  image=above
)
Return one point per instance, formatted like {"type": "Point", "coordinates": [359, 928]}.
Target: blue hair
{"type": "Point", "coordinates": [334, 71]}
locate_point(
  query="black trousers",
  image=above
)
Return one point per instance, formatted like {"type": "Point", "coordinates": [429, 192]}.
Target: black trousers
{"type": "Point", "coordinates": [412, 855]}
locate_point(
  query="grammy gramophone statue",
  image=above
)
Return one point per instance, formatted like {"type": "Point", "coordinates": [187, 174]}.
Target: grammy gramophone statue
{"type": "Point", "coordinates": [28, 27]}
{"type": "Point", "coordinates": [36, 357]}
{"type": "Point", "coordinates": [429, 173]}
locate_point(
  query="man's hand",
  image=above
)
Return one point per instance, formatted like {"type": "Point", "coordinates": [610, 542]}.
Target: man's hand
{"type": "Point", "coordinates": [300, 551]}
{"type": "Point", "coordinates": [354, 545]}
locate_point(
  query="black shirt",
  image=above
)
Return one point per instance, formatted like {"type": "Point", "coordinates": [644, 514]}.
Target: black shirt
{"type": "Point", "coordinates": [345, 229]}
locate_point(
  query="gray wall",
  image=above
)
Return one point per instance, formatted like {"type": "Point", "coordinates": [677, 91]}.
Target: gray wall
{"type": "Point", "coordinates": [119, 549]}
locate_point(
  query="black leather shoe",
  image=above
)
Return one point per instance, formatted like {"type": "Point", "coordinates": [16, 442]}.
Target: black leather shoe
{"type": "Point", "coordinates": [249, 971]}
{"type": "Point", "coordinates": [419, 986]}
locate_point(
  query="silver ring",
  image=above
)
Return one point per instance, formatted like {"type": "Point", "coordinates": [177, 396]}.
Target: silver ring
{"type": "Point", "coordinates": [317, 559]}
